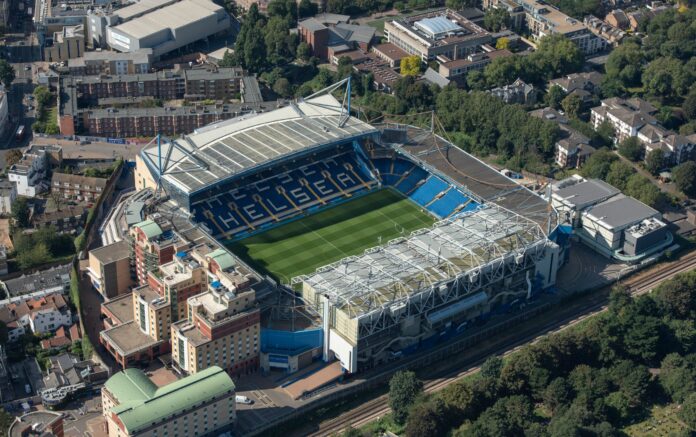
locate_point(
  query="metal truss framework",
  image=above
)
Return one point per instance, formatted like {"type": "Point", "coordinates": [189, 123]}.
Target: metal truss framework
{"type": "Point", "coordinates": [431, 267]}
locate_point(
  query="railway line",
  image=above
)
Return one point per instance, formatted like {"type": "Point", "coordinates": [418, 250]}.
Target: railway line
{"type": "Point", "coordinates": [640, 283]}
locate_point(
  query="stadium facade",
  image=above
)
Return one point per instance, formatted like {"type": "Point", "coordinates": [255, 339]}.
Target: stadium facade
{"type": "Point", "coordinates": [491, 246]}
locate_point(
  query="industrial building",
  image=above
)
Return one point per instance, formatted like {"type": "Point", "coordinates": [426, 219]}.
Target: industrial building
{"type": "Point", "coordinates": [398, 297]}
{"type": "Point", "coordinates": [614, 225]}
{"type": "Point", "coordinates": [201, 404]}
{"type": "Point", "coordinates": [169, 28]}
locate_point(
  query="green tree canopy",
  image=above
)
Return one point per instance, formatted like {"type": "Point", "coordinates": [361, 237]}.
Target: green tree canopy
{"type": "Point", "coordinates": [20, 212]}
{"type": "Point", "coordinates": [655, 161]}
{"type": "Point", "coordinates": [496, 19]}
{"type": "Point", "coordinates": [631, 148]}
{"type": "Point", "coordinates": [684, 176]}
{"type": "Point", "coordinates": [404, 388]}
{"type": "Point", "coordinates": [7, 73]}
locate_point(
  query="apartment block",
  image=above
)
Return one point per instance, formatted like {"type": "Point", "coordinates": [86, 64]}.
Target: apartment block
{"type": "Point", "coordinates": [542, 19]}
{"type": "Point", "coordinates": [110, 269]}
{"type": "Point", "coordinates": [198, 405]}
{"type": "Point", "coordinates": [111, 62]}
{"type": "Point", "coordinates": [152, 244]}
{"type": "Point", "coordinates": [77, 187]}
{"type": "Point", "coordinates": [223, 324]}
{"type": "Point", "coordinates": [31, 172]}
{"type": "Point", "coordinates": [443, 33]}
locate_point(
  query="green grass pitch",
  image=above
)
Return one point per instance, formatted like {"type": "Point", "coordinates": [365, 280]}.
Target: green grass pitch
{"type": "Point", "coordinates": [301, 246]}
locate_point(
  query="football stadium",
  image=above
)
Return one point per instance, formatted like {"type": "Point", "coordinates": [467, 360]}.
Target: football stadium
{"type": "Point", "coordinates": [395, 237]}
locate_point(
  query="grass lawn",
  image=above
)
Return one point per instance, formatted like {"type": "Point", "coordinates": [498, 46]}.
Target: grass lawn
{"type": "Point", "coordinates": [663, 421]}
{"type": "Point", "coordinates": [301, 246]}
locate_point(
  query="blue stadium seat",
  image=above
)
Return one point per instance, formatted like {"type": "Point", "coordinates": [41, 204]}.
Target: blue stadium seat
{"type": "Point", "coordinates": [427, 192]}
{"type": "Point", "coordinates": [447, 204]}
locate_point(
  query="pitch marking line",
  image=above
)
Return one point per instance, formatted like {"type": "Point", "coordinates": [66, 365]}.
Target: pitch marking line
{"type": "Point", "coordinates": [320, 236]}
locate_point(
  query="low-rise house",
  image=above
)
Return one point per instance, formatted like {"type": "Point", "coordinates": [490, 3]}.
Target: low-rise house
{"type": "Point", "coordinates": [573, 148]}
{"type": "Point", "coordinates": [42, 283]}
{"type": "Point", "coordinates": [77, 187]}
{"type": "Point", "coordinates": [584, 85]}
{"type": "Point", "coordinates": [618, 18]}
{"type": "Point", "coordinates": [40, 315]}
{"type": "Point", "coordinates": [68, 218]}
{"type": "Point", "coordinates": [517, 92]}
{"type": "Point", "coordinates": [62, 337]}
{"type": "Point", "coordinates": [603, 29]}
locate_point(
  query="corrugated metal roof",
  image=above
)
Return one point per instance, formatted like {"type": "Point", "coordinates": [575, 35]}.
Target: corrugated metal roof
{"type": "Point", "coordinates": [223, 258]}
{"type": "Point", "coordinates": [150, 228]}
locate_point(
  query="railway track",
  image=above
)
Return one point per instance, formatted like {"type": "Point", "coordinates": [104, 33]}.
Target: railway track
{"type": "Point", "coordinates": [638, 284]}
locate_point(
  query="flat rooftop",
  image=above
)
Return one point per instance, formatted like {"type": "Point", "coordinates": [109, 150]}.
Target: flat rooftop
{"type": "Point", "coordinates": [141, 7]}
{"type": "Point", "coordinates": [620, 212]}
{"type": "Point", "coordinates": [405, 267]}
{"type": "Point", "coordinates": [112, 252]}
{"type": "Point", "coordinates": [171, 17]}
{"type": "Point", "coordinates": [226, 149]}
{"type": "Point", "coordinates": [121, 307]}
{"type": "Point", "coordinates": [583, 194]}
{"type": "Point", "coordinates": [128, 339]}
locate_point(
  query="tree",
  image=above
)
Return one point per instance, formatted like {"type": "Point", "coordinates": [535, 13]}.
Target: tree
{"type": "Point", "coordinates": [307, 9]}
{"type": "Point", "coordinates": [556, 56]}
{"type": "Point", "coordinates": [491, 367]}
{"type": "Point", "coordinates": [410, 65]}
{"type": "Point", "coordinates": [42, 95]}
{"type": "Point", "coordinates": [228, 59]}
{"type": "Point", "coordinates": [572, 105]}
{"type": "Point", "coordinates": [665, 78]}
{"type": "Point", "coordinates": [687, 413]}
{"type": "Point", "coordinates": [654, 162]}
{"type": "Point", "coordinates": [461, 4]}
{"type": "Point", "coordinates": [684, 176]}
{"type": "Point", "coordinates": [623, 66]}
{"type": "Point", "coordinates": [631, 148]}
{"type": "Point", "coordinates": [38, 255]}
{"type": "Point", "coordinates": [619, 173]}
{"type": "Point", "coordinates": [12, 157]}
{"type": "Point", "coordinates": [598, 165]}
{"type": "Point", "coordinates": [6, 420]}
{"type": "Point", "coordinates": [502, 43]}
{"type": "Point", "coordinates": [304, 51]}
{"type": "Point", "coordinates": [7, 73]}
{"type": "Point", "coordinates": [282, 87]}
{"type": "Point", "coordinates": [689, 105]}
{"type": "Point", "coordinates": [557, 394]}
{"type": "Point", "coordinates": [427, 419]}
{"type": "Point", "coordinates": [496, 19]}
{"type": "Point", "coordinates": [404, 388]}
{"type": "Point", "coordinates": [555, 96]}
{"type": "Point", "coordinates": [20, 212]}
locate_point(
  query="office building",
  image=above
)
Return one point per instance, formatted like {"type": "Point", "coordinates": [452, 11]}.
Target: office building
{"type": "Point", "coordinates": [443, 33]}
{"type": "Point", "coordinates": [66, 44]}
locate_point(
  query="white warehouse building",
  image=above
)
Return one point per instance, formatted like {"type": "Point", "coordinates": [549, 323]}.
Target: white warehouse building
{"type": "Point", "coordinates": [169, 28]}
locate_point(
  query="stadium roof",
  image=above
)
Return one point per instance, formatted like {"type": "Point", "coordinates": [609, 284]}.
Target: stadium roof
{"type": "Point", "coordinates": [386, 275]}
{"type": "Point", "coordinates": [229, 148]}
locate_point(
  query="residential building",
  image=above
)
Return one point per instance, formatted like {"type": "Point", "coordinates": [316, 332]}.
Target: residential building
{"type": "Point", "coordinates": [327, 38]}
{"type": "Point", "coordinates": [67, 44]}
{"type": "Point", "coordinates": [77, 187]}
{"type": "Point", "coordinates": [155, 306]}
{"type": "Point", "coordinates": [3, 261]}
{"type": "Point", "coordinates": [4, 113]}
{"type": "Point", "coordinates": [69, 218]}
{"type": "Point", "coordinates": [41, 283]}
{"type": "Point", "coordinates": [458, 69]}
{"type": "Point", "coordinates": [31, 172]}
{"type": "Point", "coordinates": [200, 404]}
{"type": "Point", "coordinates": [542, 19]}
{"type": "Point", "coordinates": [117, 311]}
{"type": "Point", "coordinates": [62, 337]}
{"type": "Point", "coordinates": [8, 194]}
{"type": "Point", "coordinates": [517, 92]}
{"type": "Point", "coordinates": [37, 315]}
{"type": "Point", "coordinates": [111, 63]}
{"type": "Point", "coordinates": [604, 30]}
{"type": "Point", "coordinates": [618, 18]}
{"type": "Point", "coordinates": [110, 269]}
{"type": "Point", "coordinates": [626, 116]}
{"type": "Point", "coordinates": [583, 85]}
{"type": "Point", "coordinates": [191, 84]}
{"type": "Point", "coordinates": [573, 148]}
{"type": "Point", "coordinates": [439, 33]}
{"type": "Point", "coordinates": [152, 244]}
{"type": "Point", "coordinates": [223, 324]}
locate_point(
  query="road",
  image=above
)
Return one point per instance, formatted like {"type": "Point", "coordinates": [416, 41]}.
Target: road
{"type": "Point", "coordinates": [532, 331]}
